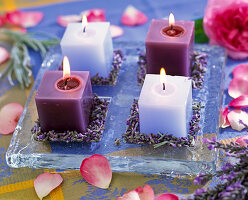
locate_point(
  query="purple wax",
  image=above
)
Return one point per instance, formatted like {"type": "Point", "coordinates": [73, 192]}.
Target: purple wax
{"type": "Point", "coordinates": [174, 53]}
{"type": "Point", "coordinates": [64, 109]}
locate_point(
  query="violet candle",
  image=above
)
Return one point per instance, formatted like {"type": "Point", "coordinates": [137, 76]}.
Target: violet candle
{"type": "Point", "coordinates": [170, 45]}
{"type": "Point", "coordinates": [64, 103]}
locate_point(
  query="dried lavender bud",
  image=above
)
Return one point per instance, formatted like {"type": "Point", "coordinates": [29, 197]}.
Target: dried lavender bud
{"type": "Point", "coordinates": [198, 69]}
{"type": "Point", "coordinates": [132, 134]}
{"type": "Point", "coordinates": [113, 74]}
{"type": "Point", "coordinates": [93, 132]}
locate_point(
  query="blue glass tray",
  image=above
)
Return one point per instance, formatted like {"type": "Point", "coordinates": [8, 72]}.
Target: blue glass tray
{"type": "Point", "coordinates": [25, 151]}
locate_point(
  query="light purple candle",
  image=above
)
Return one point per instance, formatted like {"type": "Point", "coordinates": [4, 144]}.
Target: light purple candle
{"type": "Point", "coordinates": [170, 46]}
{"type": "Point", "coordinates": [64, 104]}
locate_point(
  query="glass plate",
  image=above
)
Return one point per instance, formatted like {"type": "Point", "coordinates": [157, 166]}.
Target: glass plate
{"type": "Point", "coordinates": [25, 151]}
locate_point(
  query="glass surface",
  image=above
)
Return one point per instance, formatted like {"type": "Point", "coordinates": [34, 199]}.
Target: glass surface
{"type": "Point", "coordinates": [25, 151]}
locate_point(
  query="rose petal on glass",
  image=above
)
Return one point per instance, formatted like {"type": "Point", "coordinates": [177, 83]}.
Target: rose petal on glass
{"type": "Point", "coordinates": [133, 17]}
{"type": "Point", "coordinates": [241, 71]}
{"type": "Point", "coordinates": [116, 31]}
{"type": "Point", "coordinates": [4, 55]}
{"type": "Point", "coordinates": [65, 20]}
{"type": "Point", "coordinates": [45, 183]}
{"type": "Point", "coordinates": [242, 141]}
{"type": "Point", "coordinates": [95, 15]}
{"type": "Point", "coordinates": [238, 119]}
{"type": "Point", "coordinates": [237, 55]}
{"type": "Point", "coordinates": [132, 195]}
{"type": "Point", "coordinates": [224, 120]}
{"type": "Point", "coordinates": [139, 193]}
{"type": "Point", "coordinates": [238, 87]}
{"type": "Point", "coordinates": [25, 19]}
{"type": "Point", "coordinates": [241, 101]}
{"type": "Point", "coordinates": [167, 196]}
{"type": "Point", "coordinates": [96, 170]}
{"type": "Point", "coordinates": [9, 116]}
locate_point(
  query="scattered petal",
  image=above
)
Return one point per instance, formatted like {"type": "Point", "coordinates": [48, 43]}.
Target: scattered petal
{"type": "Point", "coordinates": [65, 20]}
{"type": "Point", "coordinates": [95, 15]}
{"type": "Point", "coordinates": [4, 55]}
{"type": "Point", "coordinates": [167, 196]}
{"type": "Point", "coordinates": [133, 17]}
{"type": "Point", "coordinates": [132, 195]}
{"type": "Point", "coordinates": [2, 21]}
{"type": "Point", "coordinates": [45, 183]}
{"type": "Point", "coordinates": [241, 71]}
{"type": "Point", "coordinates": [9, 116]}
{"type": "Point", "coordinates": [224, 120]}
{"type": "Point", "coordinates": [96, 170]}
{"type": "Point", "coordinates": [242, 141]}
{"type": "Point", "coordinates": [238, 119]}
{"type": "Point", "coordinates": [139, 193]}
{"type": "Point", "coordinates": [241, 101]}
{"type": "Point", "coordinates": [116, 31]}
{"type": "Point", "coordinates": [24, 19]}
{"type": "Point", "coordinates": [238, 87]}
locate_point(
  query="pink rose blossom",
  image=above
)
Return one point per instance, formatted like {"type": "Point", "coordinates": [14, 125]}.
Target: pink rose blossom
{"type": "Point", "coordinates": [226, 24]}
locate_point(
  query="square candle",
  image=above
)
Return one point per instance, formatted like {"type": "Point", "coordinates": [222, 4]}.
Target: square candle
{"type": "Point", "coordinates": [173, 52]}
{"type": "Point", "coordinates": [91, 50]}
{"type": "Point", "coordinates": [167, 111]}
{"type": "Point", "coordinates": [61, 110]}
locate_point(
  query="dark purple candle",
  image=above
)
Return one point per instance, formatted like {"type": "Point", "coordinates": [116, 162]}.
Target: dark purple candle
{"type": "Point", "coordinates": [170, 46]}
{"type": "Point", "coordinates": [64, 104]}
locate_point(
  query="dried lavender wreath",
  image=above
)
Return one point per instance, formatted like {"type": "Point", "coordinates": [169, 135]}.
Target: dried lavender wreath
{"type": "Point", "coordinates": [92, 134]}
{"type": "Point", "coordinates": [113, 74]}
{"type": "Point", "coordinates": [197, 71]}
{"type": "Point", "coordinates": [132, 134]}
{"type": "Point", "coordinates": [234, 176]}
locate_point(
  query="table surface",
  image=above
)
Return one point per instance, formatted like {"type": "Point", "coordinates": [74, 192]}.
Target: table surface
{"type": "Point", "coordinates": [18, 183]}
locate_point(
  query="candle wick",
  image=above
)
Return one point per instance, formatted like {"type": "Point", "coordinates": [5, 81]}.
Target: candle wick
{"type": "Point", "coordinates": [66, 82]}
{"type": "Point", "coordinates": [84, 29]}
{"type": "Point", "coordinates": [163, 86]}
{"type": "Point", "coordinates": [171, 27]}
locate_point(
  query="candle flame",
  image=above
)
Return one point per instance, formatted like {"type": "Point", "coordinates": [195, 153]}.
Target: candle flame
{"type": "Point", "coordinates": [84, 22]}
{"type": "Point", "coordinates": [66, 68]}
{"type": "Point", "coordinates": [171, 20]}
{"type": "Point", "coordinates": [162, 76]}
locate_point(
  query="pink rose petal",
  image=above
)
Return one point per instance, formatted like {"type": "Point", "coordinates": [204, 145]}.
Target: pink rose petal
{"type": "Point", "coordinates": [95, 15]}
{"type": "Point", "coordinates": [224, 120]}
{"type": "Point", "coordinates": [133, 17]}
{"type": "Point", "coordinates": [238, 87]}
{"type": "Point", "coordinates": [139, 193]}
{"type": "Point", "coordinates": [96, 170]}
{"type": "Point", "coordinates": [132, 195]}
{"type": "Point", "coordinates": [237, 55]}
{"type": "Point", "coordinates": [65, 20]}
{"type": "Point", "coordinates": [45, 183]}
{"type": "Point", "coordinates": [9, 116]}
{"type": "Point", "coordinates": [4, 55]}
{"type": "Point", "coordinates": [2, 21]}
{"type": "Point", "coordinates": [242, 141]}
{"type": "Point", "coordinates": [241, 101]}
{"type": "Point", "coordinates": [24, 19]}
{"type": "Point", "coordinates": [241, 71]}
{"type": "Point", "coordinates": [116, 31]}
{"type": "Point", "coordinates": [167, 196]}
{"type": "Point", "coordinates": [238, 119]}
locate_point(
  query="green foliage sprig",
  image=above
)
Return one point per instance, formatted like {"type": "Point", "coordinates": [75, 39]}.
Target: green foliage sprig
{"type": "Point", "coordinates": [19, 64]}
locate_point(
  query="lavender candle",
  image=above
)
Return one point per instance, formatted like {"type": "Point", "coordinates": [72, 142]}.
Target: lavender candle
{"type": "Point", "coordinates": [170, 45]}
{"type": "Point", "coordinates": [64, 102]}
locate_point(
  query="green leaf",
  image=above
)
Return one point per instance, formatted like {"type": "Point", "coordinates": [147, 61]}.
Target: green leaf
{"type": "Point", "coordinates": [200, 36]}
